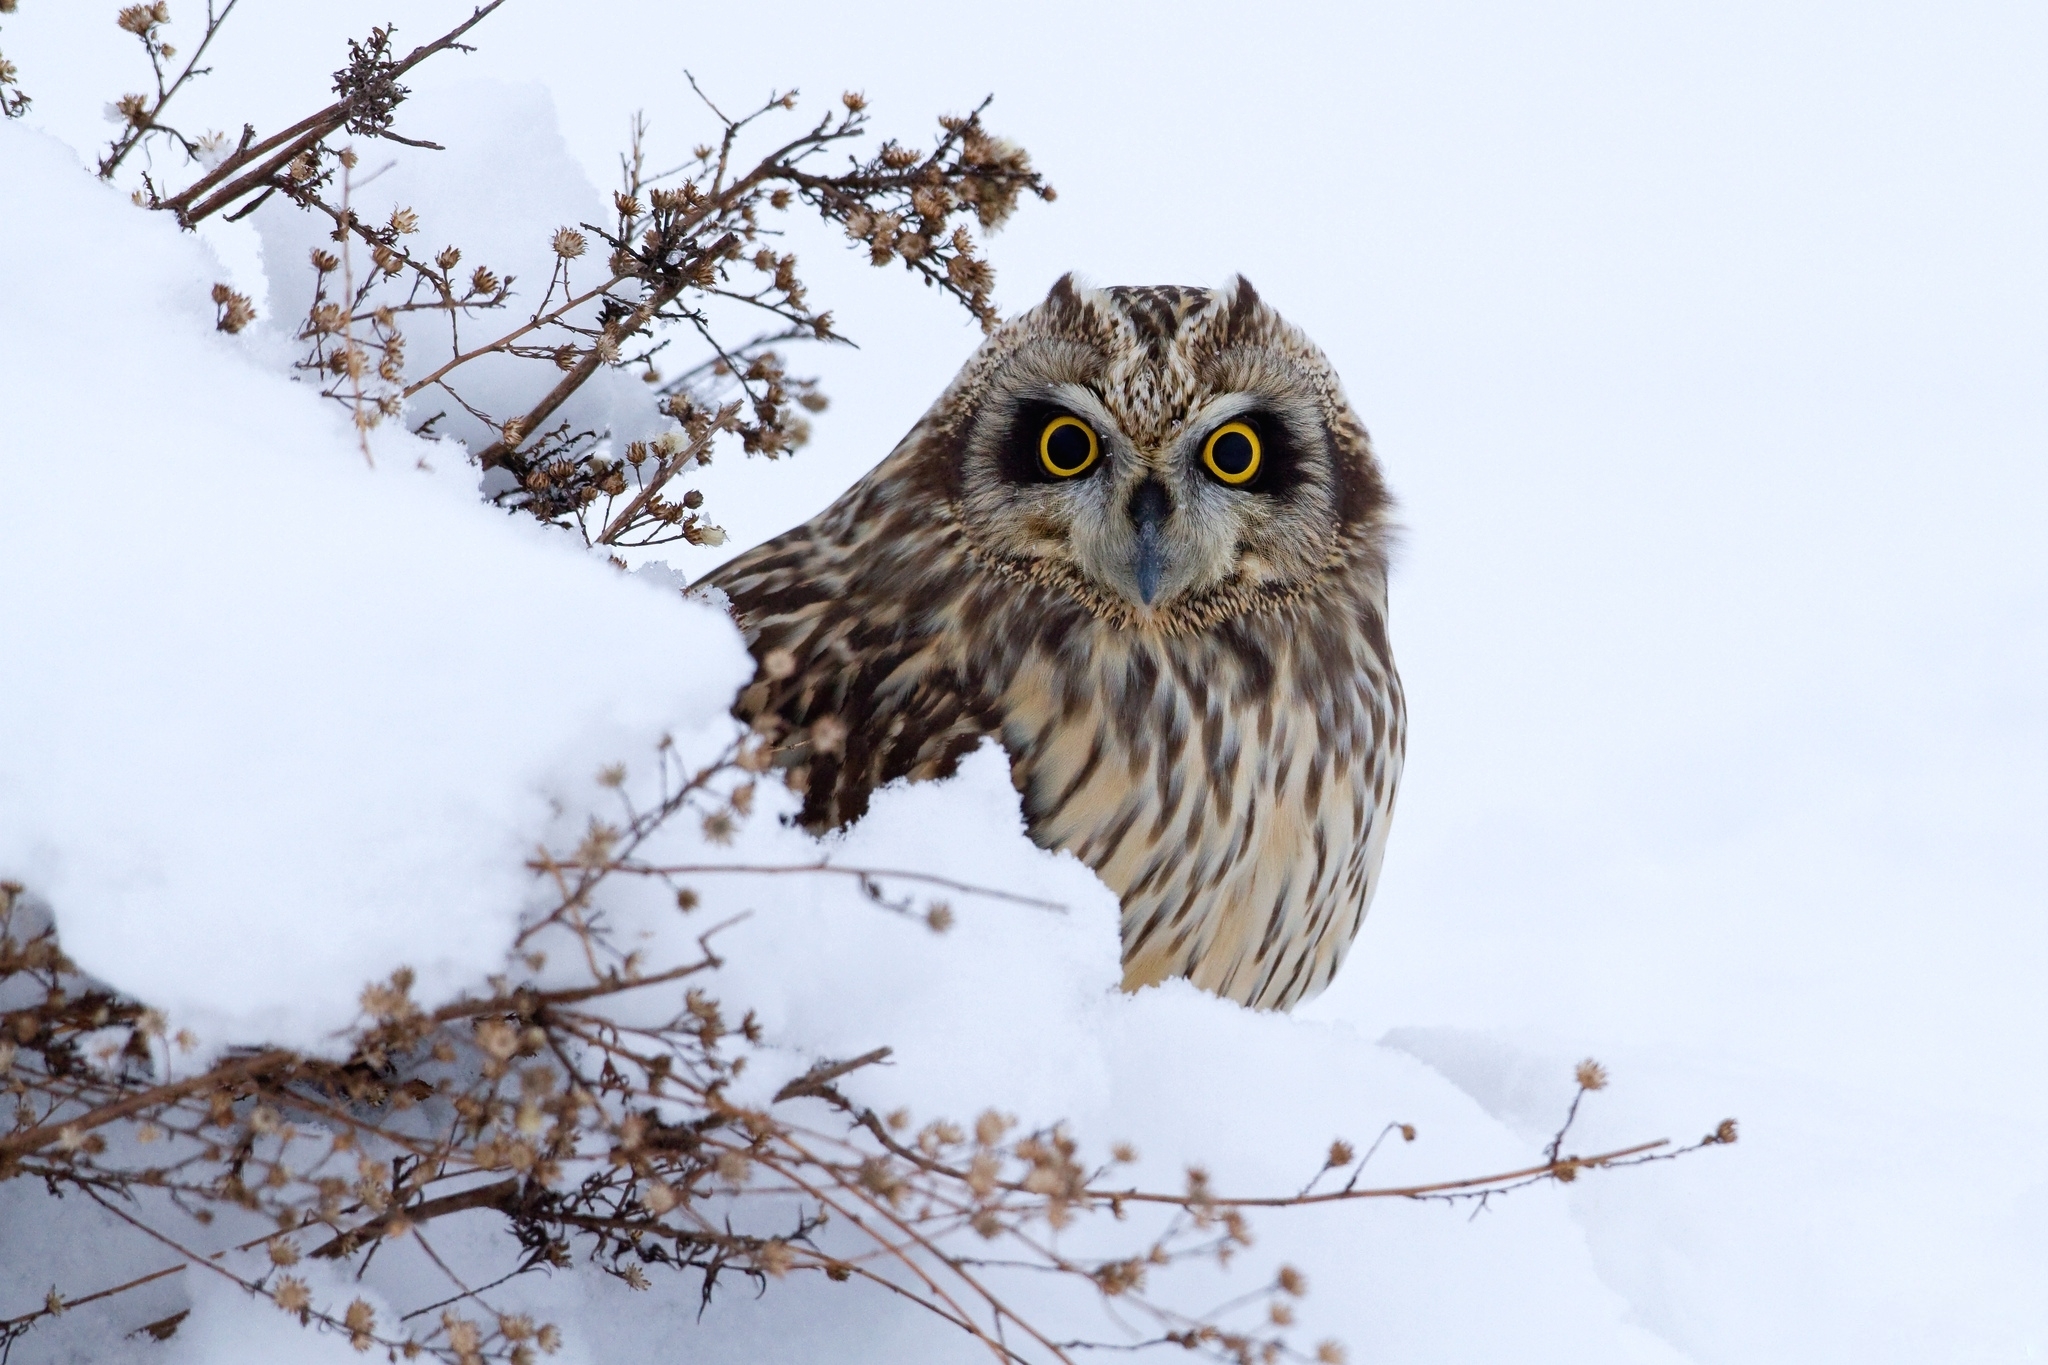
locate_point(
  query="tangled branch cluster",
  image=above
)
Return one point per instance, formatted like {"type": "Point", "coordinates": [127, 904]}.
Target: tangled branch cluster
{"type": "Point", "coordinates": [686, 248]}
{"type": "Point", "coordinates": [602, 1139]}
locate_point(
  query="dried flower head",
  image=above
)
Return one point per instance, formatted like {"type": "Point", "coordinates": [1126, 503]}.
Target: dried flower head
{"type": "Point", "coordinates": [233, 309]}
{"type": "Point", "coordinates": [569, 243]}
{"type": "Point", "coordinates": [1590, 1075]}
{"type": "Point", "coordinates": [775, 1258]}
{"type": "Point", "coordinates": [140, 19]}
{"type": "Point", "coordinates": [361, 1320]}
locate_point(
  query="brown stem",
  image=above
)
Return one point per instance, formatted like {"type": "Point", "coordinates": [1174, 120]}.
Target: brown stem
{"type": "Point", "coordinates": [263, 1063]}
{"type": "Point", "coordinates": [965, 888]}
{"type": "Point", "coordinates": [133, 138]}
{"type": "Point", "coordinates": [494, 454]}
{"type": "Point", "coordinates": [814, 1080]}
{"type": "Point", "coordinates": [554, 315]}
{"type": "Point", "coordinates": [1575, 1163]}
{"type": "Point", "coordinates": [299, 137]}
{"type": "Point", "coordinates": [665, 471]}
{"type": "Point", "coordinates": [80, 1302]}
{"type": "Point", "coordinates": [496, 1196]}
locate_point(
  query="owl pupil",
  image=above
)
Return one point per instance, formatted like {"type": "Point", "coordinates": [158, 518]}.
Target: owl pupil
{"type": "Point", "coordinates": [1068, 446]}
{"type": "Point", "coordinates": [1232, 452]}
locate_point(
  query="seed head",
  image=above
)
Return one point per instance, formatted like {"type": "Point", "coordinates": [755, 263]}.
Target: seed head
{"type": "Point", "coordinates": [140, 19]}
{"type": "Point", "coordinates": [234, 309]}
{"type": "Point", "coordinates": [361, 1320]}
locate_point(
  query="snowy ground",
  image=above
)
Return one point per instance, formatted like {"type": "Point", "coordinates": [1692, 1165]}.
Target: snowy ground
{"type": "Point", "coordinates": [1706, 353]}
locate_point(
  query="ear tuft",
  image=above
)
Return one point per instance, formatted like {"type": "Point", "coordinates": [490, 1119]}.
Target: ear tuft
{"type": "Point", "coordinates": [1241, 303]}
{"type": "Point", "coordinates": [1064, 296]}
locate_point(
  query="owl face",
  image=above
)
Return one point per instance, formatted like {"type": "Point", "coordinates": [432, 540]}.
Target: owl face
{"type": "Point", "coordinates": [1150, 450]}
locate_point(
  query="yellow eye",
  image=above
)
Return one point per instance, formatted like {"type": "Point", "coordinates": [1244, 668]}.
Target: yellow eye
{"type": "Point", "coordinates": [1233, 453]}
{"type": "Point", "coordinates": [1067, 447]}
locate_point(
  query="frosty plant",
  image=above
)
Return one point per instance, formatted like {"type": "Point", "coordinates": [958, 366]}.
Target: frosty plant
{"type": "Point", "coordinates": [603, 1136]}
{"type": "Point", "coordinates": [585, 1101]}
{"type": "Point", "coordinates": [686, 249]}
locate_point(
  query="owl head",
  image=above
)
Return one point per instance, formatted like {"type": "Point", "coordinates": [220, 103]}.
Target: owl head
{"type": "Point", "coordinates": [1168, 456]}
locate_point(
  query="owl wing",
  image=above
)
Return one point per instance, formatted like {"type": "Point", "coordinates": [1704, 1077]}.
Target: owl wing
{"type": "Point", "coordinates": [860, 681]}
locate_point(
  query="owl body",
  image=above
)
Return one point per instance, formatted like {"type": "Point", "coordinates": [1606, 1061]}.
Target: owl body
{"type": "Point", "coordinates": [1182, 647]}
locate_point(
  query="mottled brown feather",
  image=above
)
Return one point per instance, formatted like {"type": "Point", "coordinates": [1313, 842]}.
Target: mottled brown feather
{"type": "Point", "coordinates": [1225, 758]}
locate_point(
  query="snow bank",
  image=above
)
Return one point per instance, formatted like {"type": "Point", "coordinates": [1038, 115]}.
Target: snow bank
{"type": "Point", "coordinates": [276, 723]}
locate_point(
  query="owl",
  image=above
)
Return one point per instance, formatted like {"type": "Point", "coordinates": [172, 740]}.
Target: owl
{"type": "Point", "coordinates": [1141, 540]}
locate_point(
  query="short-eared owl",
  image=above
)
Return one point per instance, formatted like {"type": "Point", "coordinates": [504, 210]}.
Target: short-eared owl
{"type": "Point", "coordinates": [1142, 541]}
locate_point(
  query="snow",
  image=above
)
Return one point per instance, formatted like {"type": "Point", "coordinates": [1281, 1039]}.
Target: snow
{"type": "Point", "coordinates": [1705, 351]}
{"type": "Point", "coordinates": [521, 184]}
{"type": "Point", "coordinates": [264, 704]}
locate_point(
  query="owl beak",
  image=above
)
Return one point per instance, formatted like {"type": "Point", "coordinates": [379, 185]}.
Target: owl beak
{"type": "Point", "coordinates": [1149, 510]}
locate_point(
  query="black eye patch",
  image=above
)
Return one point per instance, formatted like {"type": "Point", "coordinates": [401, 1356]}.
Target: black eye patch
{"type": "Point", "coordinates": [1046, 443]}
{"type": "Point", "coordinates": [1253, 452]}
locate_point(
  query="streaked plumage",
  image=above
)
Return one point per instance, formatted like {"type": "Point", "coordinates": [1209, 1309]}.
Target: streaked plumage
{"type": "Point", "coordinates": [1193, 680]}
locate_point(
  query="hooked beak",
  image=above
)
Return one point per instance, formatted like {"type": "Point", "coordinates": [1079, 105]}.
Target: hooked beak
{"type": "Point", "coordinates": [1149, 509]}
